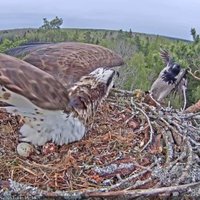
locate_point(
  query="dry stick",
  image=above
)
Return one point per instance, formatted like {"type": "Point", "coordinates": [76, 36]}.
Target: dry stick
{"type": "Point", "coordinates": [188, 165]}
{"type": "Point", "coordinates": [171, 164]}
{"type": "Point", "coordinates": [123, 92]}
{"type": "Point", "coordinates": [193, 74]}
{"type": "Point", "coordinates": [181, 157]}
{"type": "Point", "coordinates": [194, 142]}
{"type": "Point", "coordinates": [179, 129]}
{"type": "Point", "coordinates": [27, 170]}
{"type": "Point", "coordinates": [196, 71]}
{"type": "Point", "coordinates": [170, 152]}
{"type": "Point", "coordinates": [128, 179]}
{"type": "Point", "coordinates": [173, 129]}
{"type": "Point", "coordinates": [126, 122]}
{"type": "Point", "coordinates": [190, 115]}
{"type": "Point", "coordinates": [184, 98]}
{"type": "Point", "coordinates": [140, 130]}
{"type": "Point", "coordinates": [157, 103]}
{"type": "Point", "coordinates": [139, 183]}
{"type": "Point", "coordinates": [193, 108]}
{"type": "Point", "coordinates": [196, 135]}
{"type": "Point", "coordinates": [114, 103]}
{"type": "Point", "coordinates": [141, 192]}
{"type": "Point", "coordinates": [47, 166]}
{"type": "Point", "coordinates": [167, 136]}
{"type": "Point", "coordinates": [149, 122]}
{"type": "Point", "coordinates": [177, 126]}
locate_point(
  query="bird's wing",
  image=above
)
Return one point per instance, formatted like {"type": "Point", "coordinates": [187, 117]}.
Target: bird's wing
{"type": "Point", "coordinates": [69, 61]}
{"type": "Point", "coordinates": [164, 54]}
{"type": "Point", "coordinates": [23, 50]}
{"type": "Point", "coordinates": [21, 78]}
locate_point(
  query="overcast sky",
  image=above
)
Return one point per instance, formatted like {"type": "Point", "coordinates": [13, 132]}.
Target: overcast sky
{"type": "Point", "coordinates": [170, 18]}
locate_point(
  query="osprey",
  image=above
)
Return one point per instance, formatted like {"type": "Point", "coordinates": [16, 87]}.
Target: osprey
{"type": "Point", "coordinates": [170, 78]}
{"type": "Point", "coordinates": [53, 108]}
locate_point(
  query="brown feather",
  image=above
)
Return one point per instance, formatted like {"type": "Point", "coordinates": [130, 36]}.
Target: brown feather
{"type": "Point", "coordinates": [29, 81]}
{"type": "Point", "coordinates": [69, 61]}
{"type": "Point", "coordinates": [164, 54]}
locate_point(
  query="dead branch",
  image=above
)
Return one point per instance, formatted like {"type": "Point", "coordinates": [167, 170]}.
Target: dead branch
{"type": "Point", "coordinates": [169, 146]}
{"type": "Point", "coordinates": [149, 123]}
{"type": "Point", "coordinates": [131, 177]}
{"type": "Point", "coordinates": [188, 164]}
{"type": "Point", "coordinates": [193, 108]}
{"type": "Point", "coordinates": [142, 192]}
{"type": "Point", "coordinates": [119, 92]}
{"type": "Point", "coordinates": [193, 74]}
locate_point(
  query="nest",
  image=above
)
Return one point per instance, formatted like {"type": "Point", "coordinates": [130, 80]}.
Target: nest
{"type": "Point", "coordinates": [131, 149]}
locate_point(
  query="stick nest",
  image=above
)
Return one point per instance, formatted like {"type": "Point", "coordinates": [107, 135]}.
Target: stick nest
{"type": "Point", "coordinates": [129, 145]}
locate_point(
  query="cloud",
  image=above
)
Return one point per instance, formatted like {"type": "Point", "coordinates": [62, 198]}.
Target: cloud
{"type": "Point", "coordinates": [171, 18]}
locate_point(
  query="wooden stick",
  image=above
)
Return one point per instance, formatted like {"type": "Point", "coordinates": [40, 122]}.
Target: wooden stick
{"type": "Point", "coordinates": [142, 192]}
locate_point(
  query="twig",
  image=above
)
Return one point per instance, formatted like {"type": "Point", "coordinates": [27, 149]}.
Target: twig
{"type": "Point", "coordinates": [189, 115]}
{"type": "Point", "coordinates": [141, 129]}
{"type": "Point", "coordinates": [149, 122]}
{"type": "Point", "coordinates": [177, 140]}
{"type": "Point", "coordinates": [128, 179]}
{"type": "Point", "coordinates": [193, 74]}
{"type": "Point", "coordinates": [184, 97]}
{"type": "Point", "coordinates": [28, 170]}
{"type": "Point", "coordinates": [142, 192]}
{"type": "Point", "coordinates": [194, 142]}
{"type": "Point", "coordinates": [170, 152]}
{"type": "Point", "coordinates": [180, 158]}
{"type": "Point", "coordinates": [188, 165]}
{"type": "Point", "coordinates": [193, 108]}
{"type": "Point", "coordinates": [139, 183]}
{"type": "Point", "coordinates": [123, 93]}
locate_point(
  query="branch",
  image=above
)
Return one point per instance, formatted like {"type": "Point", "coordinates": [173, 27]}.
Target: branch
{"type": "Point", "coordinates": [193, 108]}
{"type": "Point", "coordinates": [149, 123]}
{"type": "Point", "coordinates": [193, 74]}
{"type": "Point", "coordinates": [142, 192]}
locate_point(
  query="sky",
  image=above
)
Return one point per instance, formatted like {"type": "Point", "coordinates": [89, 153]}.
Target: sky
{"type": "Point", "coordinates": [173, 18]}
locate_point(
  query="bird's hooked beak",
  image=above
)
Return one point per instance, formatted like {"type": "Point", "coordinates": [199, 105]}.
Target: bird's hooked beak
{"type": "Point", "coordinates": [117, 76]}
{"type": "Point", "coordinates": [112, 78]}
{"type": "Point", "coordinates": [105, 76]}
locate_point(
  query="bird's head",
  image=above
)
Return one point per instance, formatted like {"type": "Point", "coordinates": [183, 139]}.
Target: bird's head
{"type": "Point", "coordinates": [171, 66]}
{"type": "Point", "coordinates": [175, 68]}
{"type": "Point", "coordinates": [104, 77]}
{"type": "Point", "coordinates": [86, 95]}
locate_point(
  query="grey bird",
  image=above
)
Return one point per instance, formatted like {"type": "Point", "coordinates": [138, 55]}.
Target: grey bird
{"type": "Point", "coordinates": [171, 78]}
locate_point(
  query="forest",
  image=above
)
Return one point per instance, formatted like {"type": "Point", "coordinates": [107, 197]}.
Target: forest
{"type": "Point", "coordinates": [140, 51]}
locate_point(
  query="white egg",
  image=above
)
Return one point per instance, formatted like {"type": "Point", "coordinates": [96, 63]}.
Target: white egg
{"type": "Point", "coordinates": [25, 149]}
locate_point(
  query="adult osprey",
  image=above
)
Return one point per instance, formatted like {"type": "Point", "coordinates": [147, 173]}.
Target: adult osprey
{"type": "Point", "coordinates": [170, 78]}
{"type": "Point", "coordinates": [57, 109]}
